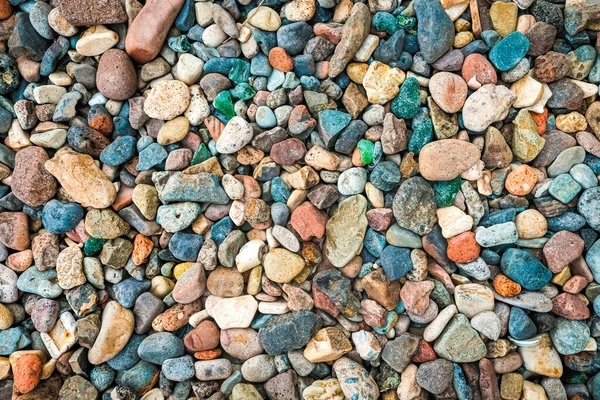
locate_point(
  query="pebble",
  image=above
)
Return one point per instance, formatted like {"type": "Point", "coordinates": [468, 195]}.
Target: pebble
{"type": "Point", "coordinates": [238, 200]}
{"type": "Point", "coordinates": [116, 77]}
{"type": "Point", "coordinates": [167, 100]}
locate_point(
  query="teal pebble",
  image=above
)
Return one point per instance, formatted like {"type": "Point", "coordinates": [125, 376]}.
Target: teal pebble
{"type": "Point", "coordinates": [102, 376]}
{"type": "Point", "coordinates": [564, 188]}
{"type": "Point", "coordinates": [508, 52]}
{"type": "Point", "coordinates": [407, 102]}
{"type": "Point", "coordinates": [178, 369]}
{"type": "Point", "coordinates": [159, 347]}
{"type": "Point", "coordinates": [151, 156]}
{"type": "Point", "coordinates": [520, 326]}
{"type": "Point", "coordinates": [522, 267]}
{"type": "Point", "coordinates": [446, 191]}
{"type": "Point", "coordinates": [570, 336]}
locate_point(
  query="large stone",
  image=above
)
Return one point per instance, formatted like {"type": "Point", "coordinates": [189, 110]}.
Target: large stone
{"type": "Point", "coordinates": [30, 182]}
{"type": "Point", "coordinates": [117, 327]}
{"type": "Point", "coordinates": [346, 231]}
{"type": "Point", "coordinates": [354, 32]}
{"type": "Point", "coordinates": [435, 30]}
{"type": "Point", "coordinates": [444, 160]}
{"type": "Point", "coordinates": [149, 29]}
{"type": "Point", "coordinates": [488, 104]}
{"type": "Point", "coordinates": [81, 178]}
{"type": "Point", "coordinates": [86, 13]}
{"type": "Point", "coordinates": [414, 206]}
{"type": "Point", "coordinates": [459, 342]}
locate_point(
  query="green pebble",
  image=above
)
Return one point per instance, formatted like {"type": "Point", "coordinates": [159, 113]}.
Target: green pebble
{"type": "Point", "coordinates": [385, 22]}
{"type": "Point", "coordinates": [407, 23]}
{"type": "Point", "coordinates": [92, 246]}
{"type": "Point", "coordinates": [201, 155]}
{"type": "Point", "coordinates": [446, 191]}
{"type": "Point", "coordinates": [224, 104]}
{"type": "Point", "coordinates": [406, 104]}
{"type": "Point", "coordinates": [366, 151]}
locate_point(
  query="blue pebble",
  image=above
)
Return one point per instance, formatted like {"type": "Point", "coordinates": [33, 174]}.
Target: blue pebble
{"type": "Point", "coordinates": [187, 16]}
{"type": "Point", "coordinates": [462, 388]}
{"type": "Point", "coordinates": [385, 176]}
{"type": "Point", "coordinates": [564, 188]}
{"type": "Point", "coordinates": [179, 369]}
{"type": "Point", "coordinates": [522, 267]}
{"type": "Point", "coordinates": [127, 357]}
{"type": "Point", "coordinates": [185, 246]}
{"type": "Point", "coordinates": [508, 52]}
{"type": "Point", "coordinates": [396, 262]}
{"type": "Point", "coordinates": [159, 347]}
{"type": "Point", "coordinates": [568, 221]}
{"type": "Point", "coordinates": [280, 213]}
{"type": "Point", "coordinates": [195, 33]}
{"type": "Point", "coordinates": [280, 190]}
{"type": "Point", "coordinates": [151, 156]}
{"type": "Point", "coordinates": [119, 152]}
{"type": "Point", "coordinates": [13, 339]}
{"type": "Point", "coordinates": [221, 229]}
{"type": "Point", "coordinates": [265, 117]}
{"type": "Point", "coordinates": [570, 336]}
{"type": "Point", "coordinates": [139, 377]}
{"type": "Point", "coordinates": [374, 242]}
{"type": "Point", "coordinates": [520, 326]}
{"type": "Point", "coordinates": [304, 65]}
{"type": "Point", "coordinates": [102, 376]}
{"type": "Point", "coordinates": [128, 290]}
{"type": "Point", "coordinates": [491, 37]}
{"type": "Point", "coordinates": [498, 217]}
{"type": "Point", "coordinates": [60, 218]}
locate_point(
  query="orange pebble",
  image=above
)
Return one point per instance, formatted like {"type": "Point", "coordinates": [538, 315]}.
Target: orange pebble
{"type": "Point", "coordinates": [463, 248]}
{"type": "Point", "coordinates": [279, 59]}
{"type": "Point", "coordinates": [208, 354]}
{"type": "Point", "coordinates": [142, 247]}
{"type": "Point", "coordinates": [540, 120]}
{"type": "Point", "coordinates": [27, 372]}
{"type": "Point", "coordinates": [506, 287]}
{"type": "Point", "coordinates": [5, 9]}
{"type": "Point", "coordinates": [521, 180]}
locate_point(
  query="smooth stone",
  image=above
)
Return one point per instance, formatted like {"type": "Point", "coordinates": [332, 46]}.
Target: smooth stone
{"type": "Point", "coordinates": [345, 231]}
{"type": "Point", "coordinates": [444, 160]}
{"type": "Point", "coordinates": [459, 342]}
{"type": "Point", "coordinates": [116, 329]}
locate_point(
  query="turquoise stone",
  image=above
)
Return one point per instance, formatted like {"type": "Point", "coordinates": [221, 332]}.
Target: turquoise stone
{"type": "Point", "coordinates": [509, 51]}
{"type": "Point", "coordinates": [407, 102]}
{"type": "Point", "coordinates": [520, 326]}
{"type": "Point", "coordinates": [564, 188]}
{"type": "Point", "coordinates": [522, 267]}
{"type": "Point", "coordinates": [446, 191]}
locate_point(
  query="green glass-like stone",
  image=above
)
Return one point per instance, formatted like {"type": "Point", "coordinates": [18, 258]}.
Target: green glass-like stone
{"type": "Point", "coordinates": [366, 151]}
{"type": "Point", "coordinates": [201, 155]}
{"type": "Point", "coordinates": [92, 246]}
{"type": "Point", "coordinates": [445, 191]}
{"type": "Point", "coordinates": [224, 104]}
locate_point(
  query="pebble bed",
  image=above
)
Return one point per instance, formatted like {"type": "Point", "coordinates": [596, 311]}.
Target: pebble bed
{"type": "Point", "coordinates": [299, 200]}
